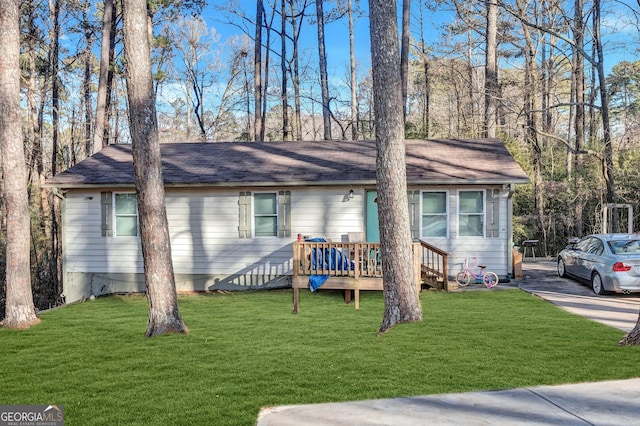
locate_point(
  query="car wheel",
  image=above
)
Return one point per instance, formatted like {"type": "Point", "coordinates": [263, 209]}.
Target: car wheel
{"type": "Point", "coordinates": [596, 284]}
{"type": "Point", "coordinates": [562, 272]}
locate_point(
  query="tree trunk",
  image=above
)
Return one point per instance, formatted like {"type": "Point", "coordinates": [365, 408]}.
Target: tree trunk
{"type": "Point", "coordinates": [54, 53]}
{"type": "Point", "coordinates": [100, 131]}
{"type": "Point", "coordinates": [258, 123]}
{"type": "Point", "coordinates": [427, 99]}
{"type": "Point", "coordinates": [531, 130]}
{"type": "Point", "coordinates": [470, 117]}
{"type": "Point", "coordinates": [633, 337]}
{"type": "Point", "coordinates": [164, 314]}
{"type": "Point", "coordinates": [402, 302]}
{"type": "Point", "coordinates": [578, 77]}
{"type": "Point", "coordinates": [86, 84]}
{"type": "Point", "coordinates": [404, 54]}
{"type": "Point", "coordinates": [286, 134]}
{"type": "Point", "coordinates": [609, 175]}
{"type": "Point", "coordinates": [355, 128]}
{"type": "Point", "coordinates": [324, 81]}
{"type": "Point", "coordinates": [490, 71]}
{"type": "Point", "coordinates": [267, 60]}
{"type": "Point", "coordinates": [19, 308]}
{"type": "Point", "coordinates": [33, 130]}
{"type": "Point", "coordinates": [295, 77]}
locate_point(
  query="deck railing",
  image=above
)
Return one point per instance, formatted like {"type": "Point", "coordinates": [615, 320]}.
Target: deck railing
{"type": "Point", "coordinates": [337, 259]}
{"type": "Point", "coordinates": [356, 260]}
{"type": "Point", "coordinates": [358, 266]}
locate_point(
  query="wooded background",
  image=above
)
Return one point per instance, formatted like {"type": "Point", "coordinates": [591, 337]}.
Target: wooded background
{"type": "Point", "coordinates": [553, 79]}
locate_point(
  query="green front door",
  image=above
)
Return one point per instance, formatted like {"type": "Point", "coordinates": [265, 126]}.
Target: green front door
{"type": "Point", "coordinates": [373, 230]}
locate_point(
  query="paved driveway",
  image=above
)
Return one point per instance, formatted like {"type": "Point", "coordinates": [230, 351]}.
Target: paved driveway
{"type": "Point", "coordinates": [541, 279]}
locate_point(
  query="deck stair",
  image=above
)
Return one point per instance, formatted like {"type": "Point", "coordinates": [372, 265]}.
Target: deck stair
{"type": "Point", "coordinates": [434, 267]}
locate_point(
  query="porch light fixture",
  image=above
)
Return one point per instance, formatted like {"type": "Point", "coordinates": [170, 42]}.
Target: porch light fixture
{"type": "Point", "coordinates": [351, 194]}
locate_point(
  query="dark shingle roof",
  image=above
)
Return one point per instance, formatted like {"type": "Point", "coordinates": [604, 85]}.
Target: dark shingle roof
{"type": "Point", "coordinates": [451, 161]}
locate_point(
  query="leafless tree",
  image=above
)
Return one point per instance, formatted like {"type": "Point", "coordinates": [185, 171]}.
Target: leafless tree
{"type": "Point", "coordinates": [258, 124]}
{"type": "Point", "coordinates": [579, 119]}
{"type": "Point", "coordinates": [355, 127]}
{"type": "Point", "coordinates": [404, 52]}
{"type": "Point", "coordinates": [107, 56]}
{"type": "Point", "coordinates": [324, 79]}
{"type": "Point", "coordinates": [491, 71]}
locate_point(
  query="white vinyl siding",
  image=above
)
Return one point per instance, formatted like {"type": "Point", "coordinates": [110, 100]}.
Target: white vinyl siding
{"type": "Point", "coordinates": [327, 212]}
{"type": "Point", "coordinates": [204, 223]}
{"type": "Point", "coordinates": [86, 250]}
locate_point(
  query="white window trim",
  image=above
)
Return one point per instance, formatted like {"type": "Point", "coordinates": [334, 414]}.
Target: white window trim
{"type": "Point", "coordinates": [484, 213]}
{"type": "Point", "coordinates": [115, 215]}
{"type": "Point", "coordinates": [446, 195]}
{"type": "Point", "coordinates": [253, 214]}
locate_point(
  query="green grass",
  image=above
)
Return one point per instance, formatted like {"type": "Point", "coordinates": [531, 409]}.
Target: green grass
{"type": "Point", "coordinates": [246, 350]}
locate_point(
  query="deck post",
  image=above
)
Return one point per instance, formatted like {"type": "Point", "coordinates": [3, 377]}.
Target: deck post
{"type": "Point", "coordinates": [357, 297]}
{"type": "Point", "coordinates": [445, 272]}
{"type": "Point", "coordinates": [296, 267]}
{"type": "Point", "coordinates": [296, 300]}
{"type": "Point", "coordinates": [356, 259]}
{"type": "Point", "coordinates": [417, 278]}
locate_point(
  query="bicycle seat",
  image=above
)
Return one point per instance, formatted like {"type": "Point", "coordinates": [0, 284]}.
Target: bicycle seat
{"type": "Point", "coordinates": [481, 266]}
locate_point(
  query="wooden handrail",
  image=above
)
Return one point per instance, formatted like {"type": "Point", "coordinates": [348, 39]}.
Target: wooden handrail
{"type": "Point", "coordinates": [434, 264]}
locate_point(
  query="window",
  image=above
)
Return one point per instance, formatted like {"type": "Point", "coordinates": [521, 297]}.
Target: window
{"type": "Point", "coordinates": [595, 247]}
{"type": "Point", "coordinates": [471, 214]}
{"type": "Point", "coordinates": [434, 214]}
{"type": "Point", "coordinates": [265, 214]}
{"type": "Point", "coordinates": [126, 215]}
{"type": "Point", "coordinates": [583, 244]}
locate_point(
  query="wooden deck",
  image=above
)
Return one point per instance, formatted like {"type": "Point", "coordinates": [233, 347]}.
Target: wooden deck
{"type": "Point", "coordinates": [358, 266]}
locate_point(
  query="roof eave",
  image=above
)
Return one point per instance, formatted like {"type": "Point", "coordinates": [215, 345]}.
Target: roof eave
{"type": "Point", "coordinates": [293, 183]}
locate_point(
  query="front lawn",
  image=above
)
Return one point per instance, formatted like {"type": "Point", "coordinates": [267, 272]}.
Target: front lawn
{"type": "Point", "coordinates": [246, 350]}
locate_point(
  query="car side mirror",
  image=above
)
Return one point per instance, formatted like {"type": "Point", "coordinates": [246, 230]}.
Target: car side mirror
{"type": "Point", "coordinates": [572, 243]}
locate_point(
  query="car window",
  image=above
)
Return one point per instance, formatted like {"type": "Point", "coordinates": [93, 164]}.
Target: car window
{"type": "Point", "coordinates": [583, 245]}
{"type": "Point", "coordinates": [625, 247]}
{"type": "Point", "coordinates": [595, 247]}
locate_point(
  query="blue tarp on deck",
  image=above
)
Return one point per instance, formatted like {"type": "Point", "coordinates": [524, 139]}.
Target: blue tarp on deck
{"type": "Point", "coordinates": [327, 259]}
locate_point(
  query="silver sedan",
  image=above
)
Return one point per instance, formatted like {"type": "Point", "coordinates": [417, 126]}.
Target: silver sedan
{"type": "Point", "coordinates": [609, 262]}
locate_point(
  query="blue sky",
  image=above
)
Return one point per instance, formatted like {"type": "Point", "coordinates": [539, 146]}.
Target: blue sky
{"type": "Point", "coordinates": [618, 28]}
{"type": "Point", "coordinates": [336, 33]}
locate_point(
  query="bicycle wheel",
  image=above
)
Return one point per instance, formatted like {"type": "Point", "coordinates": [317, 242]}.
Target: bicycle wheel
{"type": "Point", "coordinates": [490, 279]}
{"type": "Point", "coordinates": [463, 278]}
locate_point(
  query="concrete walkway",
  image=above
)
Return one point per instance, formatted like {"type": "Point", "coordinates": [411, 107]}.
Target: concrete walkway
{"type": "Point", "coordinates": [603, 403]}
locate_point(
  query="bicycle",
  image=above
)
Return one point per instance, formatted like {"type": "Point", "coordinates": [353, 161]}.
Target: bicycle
{"type": "Point", "coordinates": [488, 278]}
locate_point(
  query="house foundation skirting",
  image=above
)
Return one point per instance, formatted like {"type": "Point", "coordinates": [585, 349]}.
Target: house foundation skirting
{"type": "Point", "coordinates": [82, 285]}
